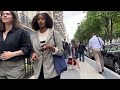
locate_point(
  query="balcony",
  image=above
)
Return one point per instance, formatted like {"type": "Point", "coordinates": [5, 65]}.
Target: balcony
{"type": "Point", "coordinates": [25, 20]}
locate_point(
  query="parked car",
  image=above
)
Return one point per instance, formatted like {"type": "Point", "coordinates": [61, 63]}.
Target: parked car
{"type": "Point", "coordinates": [112, 56]}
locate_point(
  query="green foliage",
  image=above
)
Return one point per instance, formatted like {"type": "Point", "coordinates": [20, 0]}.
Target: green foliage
{"type": "Point", "coordinates": [104, 23]}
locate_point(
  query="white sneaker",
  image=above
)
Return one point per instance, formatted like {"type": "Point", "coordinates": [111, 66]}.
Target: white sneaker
{"type": "Point", "coordinates": [70, 68]}
{"type": "Point", "coordinates": [77, 69]}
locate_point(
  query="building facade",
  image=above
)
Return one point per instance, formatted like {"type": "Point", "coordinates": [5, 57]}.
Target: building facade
{"type": "Point", "coordinates": [59, 25]}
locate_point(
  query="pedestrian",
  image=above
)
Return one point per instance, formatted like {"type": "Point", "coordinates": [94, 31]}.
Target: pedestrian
{"type": "Point", "coordinates": [96, 43]}
{"type": "Point", "coordinates": [15, 46]}
{"type": "Point", "coordinates": [81, 49]}
{"type": "Point", "coordinates": [74, 55]}
{"type": "Point", "coordinates": [67, 51]}
{"type": "Point", "coordinates": [44, 47]}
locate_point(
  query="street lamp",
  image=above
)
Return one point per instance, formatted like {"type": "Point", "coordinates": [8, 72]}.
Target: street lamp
{"type": "Point", "coordinates": [78, 24]}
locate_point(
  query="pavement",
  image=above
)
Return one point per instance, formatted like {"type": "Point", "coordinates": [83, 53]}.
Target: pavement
{"type": "Point", "coordinates": [88, 70]}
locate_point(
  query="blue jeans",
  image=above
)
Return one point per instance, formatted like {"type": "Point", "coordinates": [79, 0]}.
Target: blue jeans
{"type": "Point", "coordinates": [81, 54]}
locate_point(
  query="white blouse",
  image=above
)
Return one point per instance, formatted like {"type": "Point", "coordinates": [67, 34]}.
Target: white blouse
{"type": "Point", "coordinates": [43, 37]}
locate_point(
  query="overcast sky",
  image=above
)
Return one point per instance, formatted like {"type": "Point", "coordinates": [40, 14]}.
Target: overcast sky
{"type": "Point", "coordinates": [71, 18]}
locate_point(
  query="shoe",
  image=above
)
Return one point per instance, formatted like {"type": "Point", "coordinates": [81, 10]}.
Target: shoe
{"type": "Point", "coordinates": [70, 68]}
{"type": "Point", "coordinates": [100, 72]}
{"type": "Point", "coordinates": [77, 69]}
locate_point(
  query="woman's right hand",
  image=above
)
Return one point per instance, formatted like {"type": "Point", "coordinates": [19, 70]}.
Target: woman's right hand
{"type": "Point", "coordinates": [34, 57]}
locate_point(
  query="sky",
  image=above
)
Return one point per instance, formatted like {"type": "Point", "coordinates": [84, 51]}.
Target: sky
{"type": "Point", "coordinates": [71, 18]}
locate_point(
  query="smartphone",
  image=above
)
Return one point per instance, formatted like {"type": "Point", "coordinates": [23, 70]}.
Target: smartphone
{"type": "Point", "coordinates": [42, 43]}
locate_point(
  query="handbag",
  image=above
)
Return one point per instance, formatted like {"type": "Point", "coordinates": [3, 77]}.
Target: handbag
{"type": "Point", "coordinates": [102, 49]}
{"type": "Point", "coordinates": [70, 61]}
{"type": "Point", "coordinates": [59, 61]}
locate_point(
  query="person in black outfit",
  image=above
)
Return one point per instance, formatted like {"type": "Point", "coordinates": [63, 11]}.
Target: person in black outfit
{"type": "Point", "coordinates": [67, 51]}
{"type": "Point", "coordinates": [15, 46]}
{"type": "Point", "coordinates": [81, 49]}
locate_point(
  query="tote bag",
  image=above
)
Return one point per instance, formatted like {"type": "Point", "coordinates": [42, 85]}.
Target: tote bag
{"type": "Point", "coordinates": [59, 61]}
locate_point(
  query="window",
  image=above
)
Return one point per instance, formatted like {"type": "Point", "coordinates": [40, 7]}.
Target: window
{"type": "Point", "coordinates": [118, 47]}
{"type": "Point", "coordinates": [113, 47]}
{"type": "Point", "coordinates": [107, 47]}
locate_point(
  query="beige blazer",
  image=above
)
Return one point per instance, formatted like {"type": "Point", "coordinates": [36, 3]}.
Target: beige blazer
{"type": "Point", "coordinates": [46, 57]}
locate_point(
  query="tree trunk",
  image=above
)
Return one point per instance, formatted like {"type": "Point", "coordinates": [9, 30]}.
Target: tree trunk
{"type": "Point", "coordinates": [107, 28]}
{"type": "Point", "coordinates": [111, 30]}
{"type": "Point", "coordinates": [105, 35]}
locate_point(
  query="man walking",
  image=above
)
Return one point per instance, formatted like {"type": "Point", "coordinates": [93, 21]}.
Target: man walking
{"type": "Point", "coordinates": [81, 49]}
{"type": "Point", "coordinates": [96, 43]}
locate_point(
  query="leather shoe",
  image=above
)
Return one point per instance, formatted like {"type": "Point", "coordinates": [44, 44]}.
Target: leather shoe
{"type": "Point", "coordinates": [100, 72]}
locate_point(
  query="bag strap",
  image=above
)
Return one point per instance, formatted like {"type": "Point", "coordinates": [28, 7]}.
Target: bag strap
{"type": "Point", "coordinates": [54, 38]}
{"type": "Point", "coordinates": [99, 41]}
{"type": "Point", "coordinates": [102, 46]}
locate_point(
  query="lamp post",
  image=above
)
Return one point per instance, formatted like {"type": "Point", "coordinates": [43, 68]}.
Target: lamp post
{"type": "Point", "coordinates": [78, 24]}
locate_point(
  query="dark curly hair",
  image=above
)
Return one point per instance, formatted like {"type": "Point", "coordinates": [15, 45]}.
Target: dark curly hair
{"type": "Point", "coordinates": [16, 23]}
{"type": "Point", "coordinates": [48, 19]}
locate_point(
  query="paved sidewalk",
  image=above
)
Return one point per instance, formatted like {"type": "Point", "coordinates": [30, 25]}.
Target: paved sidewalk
{"type": "Point", "coordinates": [88, 70]}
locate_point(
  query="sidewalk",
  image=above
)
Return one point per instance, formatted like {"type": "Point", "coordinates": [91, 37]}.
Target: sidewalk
{"type": "Point", "coordinates": [33, 77]}
{"type": "Point", "coordinates": [88, 70]}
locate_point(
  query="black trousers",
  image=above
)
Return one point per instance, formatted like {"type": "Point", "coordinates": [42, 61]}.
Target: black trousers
{"type": "Point", "coordinates": [41, 76]}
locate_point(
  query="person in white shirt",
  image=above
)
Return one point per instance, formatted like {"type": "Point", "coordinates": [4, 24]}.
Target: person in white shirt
{"type": "Point", "coordinates": [96, 43]}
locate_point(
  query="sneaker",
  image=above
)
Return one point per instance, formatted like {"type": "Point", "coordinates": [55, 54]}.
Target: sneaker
{"type": "Point", "coordinates": [70, 68]}
{"type": "Point", "coordinates": [77, 69]}
{"type": "Point", "coordinates": [100, 72]}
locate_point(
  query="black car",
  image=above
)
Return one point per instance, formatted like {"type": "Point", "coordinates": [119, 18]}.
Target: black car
{"type": "Point", "coordinates": [112, 56]}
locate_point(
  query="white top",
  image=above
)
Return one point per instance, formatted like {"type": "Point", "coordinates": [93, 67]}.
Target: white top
{"type": "Point", "coordinates": [94, 42]}
{"type": "Point", "coordinates": [43, 37]}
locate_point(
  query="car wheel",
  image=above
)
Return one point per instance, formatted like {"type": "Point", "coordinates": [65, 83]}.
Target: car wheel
{"type": "Point", "coordinates": [117, 67]}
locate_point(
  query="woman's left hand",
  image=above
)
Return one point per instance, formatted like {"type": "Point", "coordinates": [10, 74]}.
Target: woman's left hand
{"type": "Point", "coordinates": [7, 55]}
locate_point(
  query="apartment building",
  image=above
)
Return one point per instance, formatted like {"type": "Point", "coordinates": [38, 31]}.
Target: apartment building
{"type": "Point", "coordinates": [59, 25]}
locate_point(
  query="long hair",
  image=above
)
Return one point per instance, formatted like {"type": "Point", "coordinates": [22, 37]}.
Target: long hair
{"type": "Point", "coordinates": [48, 19]}
{"type": "Point", "coordinates": [16, 23]}
{"type": "Point", "coordinates": [73, 43]}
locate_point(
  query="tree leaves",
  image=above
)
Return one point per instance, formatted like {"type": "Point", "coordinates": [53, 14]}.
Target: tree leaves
{"type": "Point", "coordinates": [104, 23]}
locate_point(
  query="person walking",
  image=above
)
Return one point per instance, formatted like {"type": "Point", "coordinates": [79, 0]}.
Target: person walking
{"type": "Point", "coordinates": [15, 46]}
{"type": "Point", "coordinates": [67, 51]}
{"type": "Point", "coordinates": [44, 47]}
{"type": "Point", "coordinates": [81, 49]}
{"type": "Point", "coordinates": [96, 43]}
{"type": "Point", "coordinates": [74, 54]}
